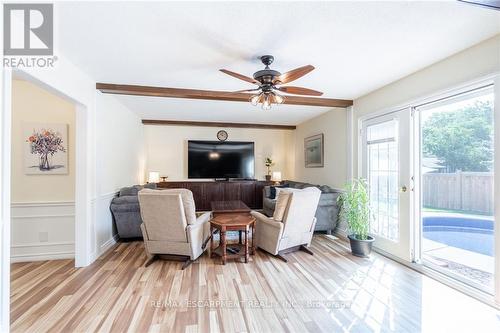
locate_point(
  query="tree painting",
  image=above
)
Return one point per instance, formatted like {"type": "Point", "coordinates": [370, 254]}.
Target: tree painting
{"type": "Point", "coordinates": [461, 140]}
{"type": "Point", "coordinates": [45, 143]}
{"type": "Point", "coordinates": [46, 149]}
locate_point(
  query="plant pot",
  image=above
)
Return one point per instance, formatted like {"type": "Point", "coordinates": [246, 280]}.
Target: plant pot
{"type": "Point", "coordinates": [361, 247]}
{"type": "Point", "coordinates": [268, 178]}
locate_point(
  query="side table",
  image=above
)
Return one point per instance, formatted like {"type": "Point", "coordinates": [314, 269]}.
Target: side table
{"type": "Point", "coordinates": [224, 223]}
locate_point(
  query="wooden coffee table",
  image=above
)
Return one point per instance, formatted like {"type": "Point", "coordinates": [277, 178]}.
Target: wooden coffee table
{"type": "Point", "coordinates": [232, 222]}
{"type": "Point", "coordinates": [233, 207]}
{"type": "Point", "coordinates": [229, 207]}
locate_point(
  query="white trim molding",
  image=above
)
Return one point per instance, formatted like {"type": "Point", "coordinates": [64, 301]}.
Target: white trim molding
{"type": "Point", "coordinates": [496, 195]}
{"type": "Point", "coordinates": [106, 235]}
{"type": "Point", "coordinates": [5, 147]}
{"type": "Point", "coordinates": [42, 230]}
{"type": "Point", "coordinates": [105, 247]}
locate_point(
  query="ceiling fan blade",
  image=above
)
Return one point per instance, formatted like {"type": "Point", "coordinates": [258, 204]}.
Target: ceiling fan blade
{"type": "Point", "coordinates": [300, 91]}
{"type": "Point", "coordinates": [246, 90]}
{"type": "Point", "coordinates": [293, 75]}
{"type": "Point", "coordinates": [240, 76]}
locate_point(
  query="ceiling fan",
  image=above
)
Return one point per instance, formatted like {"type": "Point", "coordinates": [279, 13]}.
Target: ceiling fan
{"type": "Point", "coordinates": [270, 83]}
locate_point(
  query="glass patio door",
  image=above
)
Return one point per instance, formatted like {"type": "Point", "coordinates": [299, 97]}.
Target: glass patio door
{"type": "Point", "coordinates": [456, 185]}
{"type": "Point", "coordinates": [386, 168]}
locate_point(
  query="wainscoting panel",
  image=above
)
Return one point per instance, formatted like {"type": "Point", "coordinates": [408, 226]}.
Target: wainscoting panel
{"type": "Point", "coordinates": [42, 231]}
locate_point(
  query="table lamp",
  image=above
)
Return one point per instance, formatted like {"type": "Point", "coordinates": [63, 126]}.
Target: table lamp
{"type": "Point", "coordinates": [154, 177]}
{"type": "Point", "coordinates": [276, 176]}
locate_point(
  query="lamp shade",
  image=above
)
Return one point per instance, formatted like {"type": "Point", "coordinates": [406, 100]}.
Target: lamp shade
{"type": "Point", "coordinates": [276, 176]}
{"type": "Point", "coordinates": [154, 177]}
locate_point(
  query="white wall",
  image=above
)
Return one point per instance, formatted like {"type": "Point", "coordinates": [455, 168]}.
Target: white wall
{"type": "Point", "coordinates": [166, 148]}
{"type": "Point", "coordinates": [470, 64]}
{"type": "Point", "coordinates": [5, 93]}
{"type": "Point", "coordinates": [70, 83]}
{"type": "Point", "coordinates": [43, 221]}
{"type": "Point", "coordinates": [120, 160]}
{"type": "Point", "coordinates": [31, 103]}
{"type": "Point", "coordinates": [333, 125]}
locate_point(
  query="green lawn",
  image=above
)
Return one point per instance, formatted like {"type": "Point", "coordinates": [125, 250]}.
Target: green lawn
{"type": "Point", "coordinates": [456, 211]}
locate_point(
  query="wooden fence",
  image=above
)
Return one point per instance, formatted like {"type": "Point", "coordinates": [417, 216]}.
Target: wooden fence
{"type": "Point", "coordinates": [468, 191]}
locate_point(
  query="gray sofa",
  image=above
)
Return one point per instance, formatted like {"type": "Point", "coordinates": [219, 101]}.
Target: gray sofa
{"type": "Point", "coordinates": [126, 212]}
{"type": "Point", "coordinates": [327, 212]}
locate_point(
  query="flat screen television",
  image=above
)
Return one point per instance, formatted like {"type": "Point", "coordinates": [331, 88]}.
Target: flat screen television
{"type": "Point", "coordinates": [219, 159]}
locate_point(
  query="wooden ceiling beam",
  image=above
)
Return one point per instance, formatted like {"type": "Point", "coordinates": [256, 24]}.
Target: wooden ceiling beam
{"type": "Point", "coordinates": [134, 90]}
{"type": "Point", "coordinates": [215, 124]}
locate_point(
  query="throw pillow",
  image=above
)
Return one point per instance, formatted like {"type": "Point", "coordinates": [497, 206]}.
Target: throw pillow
{"type": "Point", "coordinates": [273, 194]}
{"type": "Point", "coordinates": [281, 204]}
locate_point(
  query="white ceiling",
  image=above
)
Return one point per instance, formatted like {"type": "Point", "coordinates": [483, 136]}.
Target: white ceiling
{"type": "Point", "coordinates": [356, 47]}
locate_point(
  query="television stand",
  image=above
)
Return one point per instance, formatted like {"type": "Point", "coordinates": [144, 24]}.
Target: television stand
{"type": "Point", "coordinates": [204, 192]}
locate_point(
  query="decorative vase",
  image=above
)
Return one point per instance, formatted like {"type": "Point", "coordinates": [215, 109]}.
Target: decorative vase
{"type": "Point", "coordinates": [268, 178]}
{"type": "Point", "coordinates": [44, 163]}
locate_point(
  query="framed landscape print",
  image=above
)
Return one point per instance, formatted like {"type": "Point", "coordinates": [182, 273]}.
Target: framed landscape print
{"type": "Point", "coordinates": [45, 149]}
{"type": "Point", "coordinates": [314, 151]}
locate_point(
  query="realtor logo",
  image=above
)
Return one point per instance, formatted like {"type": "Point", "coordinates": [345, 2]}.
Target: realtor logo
{"type": "Point", "coordinates": [28, 29]}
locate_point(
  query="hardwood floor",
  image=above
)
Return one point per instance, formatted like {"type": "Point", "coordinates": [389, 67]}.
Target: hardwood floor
{"type": "Point", "coordinates": [331, 291]}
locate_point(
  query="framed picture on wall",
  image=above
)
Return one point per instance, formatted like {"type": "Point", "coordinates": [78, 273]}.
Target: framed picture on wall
{"type": "Point", "coordinates": [45, 149]}
{"type": "Point", "coordinates": [314, 151]}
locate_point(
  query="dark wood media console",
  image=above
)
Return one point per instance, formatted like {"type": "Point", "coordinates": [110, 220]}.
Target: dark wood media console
{"type": "Point", "coordinates": [204, 192]}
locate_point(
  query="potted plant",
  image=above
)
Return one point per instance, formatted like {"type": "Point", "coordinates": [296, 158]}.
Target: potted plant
{"type": "Point", "coordinates": [355, 209]}
{"type": "Point", "coordinates": [269, 164]}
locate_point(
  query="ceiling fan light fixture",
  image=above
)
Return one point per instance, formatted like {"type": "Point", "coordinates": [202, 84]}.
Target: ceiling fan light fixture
{"type": "Point", "coordinates": [261, 99]}
{"type": "Point", "coordinates": [266, 104]}
{"type": "Point", "coordinates": [279, 99]}
{"type": "Point", "coordinates": [254, 100]}
{"type": "Point", "coordinates": [267, 99]}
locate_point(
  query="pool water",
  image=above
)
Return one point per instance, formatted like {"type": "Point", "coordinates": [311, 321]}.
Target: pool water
{"type": "Point", "coordinates": [470, 233]}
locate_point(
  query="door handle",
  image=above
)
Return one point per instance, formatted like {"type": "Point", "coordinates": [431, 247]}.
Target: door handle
{"type": "Point", "coordinates": [404, 188]}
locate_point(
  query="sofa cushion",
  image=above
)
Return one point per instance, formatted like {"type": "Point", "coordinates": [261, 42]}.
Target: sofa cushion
{"type": "Point", "coordinates": [281, 205]}
{"type": "Point", "coordinates": [128, 199]}
{"type": "Point", "coordinates": [272, 194]}
{"type": "Point", "coordinates": [133, 190]}
{"type": "Point", "coordinates": [267, 192]}
{"type": "Point", "coordinates": [129, 191]}
{"type": "Point", "coordinates": [125, 204]}
{"type": "Point", "coordinates": [150, 186]}
{"type": "Point", "coordinates": [326, 189]}
{"type": "Point", "coordinates": [292, 184]}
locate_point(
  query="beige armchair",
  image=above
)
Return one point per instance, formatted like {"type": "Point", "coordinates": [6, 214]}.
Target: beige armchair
{"type": "Point", "coordinates": [170, 227]}
{"type": "Point", "coordinates": [295, 229]}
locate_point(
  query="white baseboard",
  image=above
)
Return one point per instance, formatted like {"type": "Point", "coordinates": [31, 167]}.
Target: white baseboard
{"type": "Point", "coordinates": [42, 256]}
{"type": "Point", "coordinates": [109, 243]}
{"type": "Point", "coordinates": [106, 235]}
{"type": "Point", "coordinates": [104, 247]}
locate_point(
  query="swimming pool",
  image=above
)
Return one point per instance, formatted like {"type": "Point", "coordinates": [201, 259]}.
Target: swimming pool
{"type": "Point", "coordinates": [469, 232]}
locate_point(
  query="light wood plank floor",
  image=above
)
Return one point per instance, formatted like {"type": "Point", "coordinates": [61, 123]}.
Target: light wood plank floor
{"type": "Point", "coordinates": [331, 291]}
